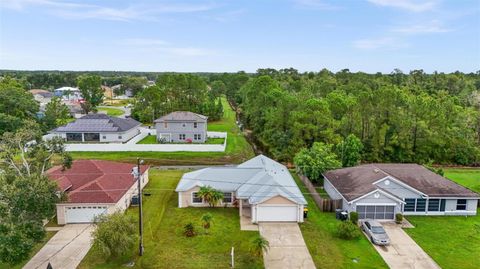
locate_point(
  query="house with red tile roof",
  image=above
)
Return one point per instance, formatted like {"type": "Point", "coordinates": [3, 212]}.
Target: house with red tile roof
{"type": "Point", "coordinates": [95, 187]}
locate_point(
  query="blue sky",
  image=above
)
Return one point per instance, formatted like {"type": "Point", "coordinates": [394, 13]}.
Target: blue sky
{"type": "Point", "coordinates": [189, 36]}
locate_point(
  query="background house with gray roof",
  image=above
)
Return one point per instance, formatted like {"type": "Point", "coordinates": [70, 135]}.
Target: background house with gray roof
{"type": "Point", "coordinates": [93, 128]}
{"type": "Point", "coordinates": [379, 191]}
{"type": "Point", "coordinates": [262, 188]}
{"type": "Point", "coordinates": [182, 126]}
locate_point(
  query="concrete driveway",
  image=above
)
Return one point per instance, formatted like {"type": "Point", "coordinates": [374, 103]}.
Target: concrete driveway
{"type": "Point", "coordinates": [287, 247]}
{"type": "Point", "coordinates": [403, 252]}
{"type": "Point", "coordinates": [65, 249]}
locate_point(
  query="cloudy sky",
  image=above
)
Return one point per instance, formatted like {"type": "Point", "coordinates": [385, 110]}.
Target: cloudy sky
{"type": "Point", "coordinates": [181, 35]}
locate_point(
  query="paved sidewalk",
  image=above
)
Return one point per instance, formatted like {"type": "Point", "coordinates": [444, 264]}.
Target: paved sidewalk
{"type": "Point", "coordinates": [287, 247]}
{"type": "Point", "coordinates": [404, 252]}
{"type": "Point", "coordinates": [66, 249]}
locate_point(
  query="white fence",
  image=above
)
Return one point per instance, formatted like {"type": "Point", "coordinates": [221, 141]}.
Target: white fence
{"type": "Point", "coordinates": [133, 146]}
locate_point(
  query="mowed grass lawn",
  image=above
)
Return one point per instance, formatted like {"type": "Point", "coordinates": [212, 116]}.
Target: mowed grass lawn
{"type": "Point", "coordinates": [115, 112]}
{"type": "Point", "coordinates": [165, 244]}
{"type": "Point", "coordinates": [152, 139]}
{"type": "Point", "coordinates": [467, 177]}
{"type": "Point", "coordinates": [34, 251]}
{"type": "Point", "coordinates": [329, 251]}
{"type": "Point", "coordinates": [452, 241]}
{"type": "Point", "coordinates": [238, 149]}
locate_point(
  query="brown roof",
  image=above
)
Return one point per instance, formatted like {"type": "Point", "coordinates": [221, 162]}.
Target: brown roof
{"type": "Point", "coordinates": [93, 181]}
{"type": "Point", "coordinates": [354, 182]}
{"type": "Point", "coordinates": [182, 116]}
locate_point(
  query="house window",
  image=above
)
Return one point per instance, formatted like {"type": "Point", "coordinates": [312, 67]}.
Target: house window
{"type": "Point", "coordinates": [421, 205]}
{"type": "Point", "coordinates": [183, 125]}
{"type": "Point", "coordinates": [434, 205]}
{"type": "Point", "coordinates": [197, 136]}
{"type": "Point", "coordinates": [196, 199]}
{"type": "Point", "coordinates": [410, 205]}
{"type": "Point", "coordinates": [462, 204]}
{"type": "Point", "coordinates": [227, 197]}
{"type": "Point", "coordinates": [74, 136]}
{"type": "Point", "coordinates": [104, 137]}
{"type": "Point", "coordinates": [181, 136]}
{"type": "Point", "coordinates": [194, 125]}
{"type": "Point", "coordinates": [94, 137]}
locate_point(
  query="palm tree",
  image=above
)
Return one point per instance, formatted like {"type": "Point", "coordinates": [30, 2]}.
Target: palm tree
{"type": "Point", "coordinates": [259, 245]}
{"type": "Point", "coordinates": [210, 195]}
{"type": "Point", "coordinates": [189, 230]}
{"type": "Point", "coordinates": [207, 220]}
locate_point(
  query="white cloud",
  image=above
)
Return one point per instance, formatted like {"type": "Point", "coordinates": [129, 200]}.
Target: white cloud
{"type": "Point", "coordinates": [380, 43]}
{"type": "Point", "coordinates": [422, 28]}
{"type": "Point", "coordinates": [409, 5]}
{"type": "Point", "coordinates": [315, 4]}
{"type": "Point", "coordinates": [135, 11]}
{"type": "Point", "coordinates": [164, 47]}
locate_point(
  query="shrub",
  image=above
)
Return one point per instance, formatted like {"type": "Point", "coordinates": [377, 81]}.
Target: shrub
{"type": "Point", "coordinates": [115, 234]}
{"type": "Point", "coordinates": [347, 230]}
{"type": "Point", "coordinates": [354, 217]}
{"type": "Point", "coordinates": [189, 230]}
{"type": "Point", "coordinates": [398, 218]}
{"type": "Point", "coordinates": [207, 220]}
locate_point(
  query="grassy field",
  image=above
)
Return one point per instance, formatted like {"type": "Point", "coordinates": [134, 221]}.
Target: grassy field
{"type": "Point", "coordinates": [152, 139]}
{"type": "Point", "coordinates": [329, 251]}
{"type": "Point", "coordinates": [165, 244]}
{"type": "Point", "coordinates": [34, 251]}
{"type": "Point", "coordinates": [238, 149]}
{"type": "Point", "coordinates": [452, 241]}
{"type": "Point", "coordinates": [116, 102]}
{"type": "Point", "coordinates": [115, 112]}
{"type": "Point", "coordinates": [469, 178]}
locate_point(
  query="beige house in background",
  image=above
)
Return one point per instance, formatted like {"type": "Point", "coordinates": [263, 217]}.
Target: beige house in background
{"type": "Point", "coordinates": [261, 188]}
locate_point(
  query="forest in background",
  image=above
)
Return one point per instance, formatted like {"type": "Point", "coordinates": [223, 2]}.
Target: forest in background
{"type": "Point", "coordinates": [398, 117]}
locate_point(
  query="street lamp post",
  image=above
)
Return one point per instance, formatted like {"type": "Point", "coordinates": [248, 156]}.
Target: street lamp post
{"type": "Point", "coordinates": [140, 213]}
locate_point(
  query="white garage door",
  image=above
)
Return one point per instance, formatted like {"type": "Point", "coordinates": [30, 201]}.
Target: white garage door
{"type": "Point", "coordinates": [83, 214]}
{"type": "Point", "coordinates": [276, 213]}
{"type": "Point", "coordinates": [376, 211]}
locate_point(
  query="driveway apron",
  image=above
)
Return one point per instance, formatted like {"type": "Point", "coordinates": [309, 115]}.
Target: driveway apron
{"type": "Point", "coordinates": [287, 247]}
{"type": "Point", "coordinates": [403, 252]}
{"type": "Point", "coordinates": [65, 249]}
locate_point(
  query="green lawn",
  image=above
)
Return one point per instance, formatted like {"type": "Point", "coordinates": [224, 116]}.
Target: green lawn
{"type": "Point", "coordinates": [238, 149]}
{"type": "Point", "coordinates": [467, 177]}
{"type": "Point", "coordinates": [115, 112]}
{"type": "Point", "coordinates": [452, 241]}
{"type": "Point", "coordinates": [34, 251]}
{"type": "Point", "coordinates": [329, 251]}
{"type": "Point", "coordinates": [152, 139]}
{"type": "Point", "coordinates": [165, 244]}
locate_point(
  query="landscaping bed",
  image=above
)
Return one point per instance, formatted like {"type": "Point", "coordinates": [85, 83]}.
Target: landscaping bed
{"type": "Point", "coordinates": [327, 249]}
{"type": "Point", "coordinates": [165, 244]}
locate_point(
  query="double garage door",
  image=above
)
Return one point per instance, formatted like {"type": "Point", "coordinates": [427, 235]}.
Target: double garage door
{"type": "Point", "coordinates": [376, 212]}
{"type": "Point", "coordinates": [83, 214]}
{"type": "Point", "coordinates": [277, 213]}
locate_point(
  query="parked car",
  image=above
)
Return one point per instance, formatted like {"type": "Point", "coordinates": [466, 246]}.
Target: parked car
{"type": "Point", "coordinates": [375, 232]}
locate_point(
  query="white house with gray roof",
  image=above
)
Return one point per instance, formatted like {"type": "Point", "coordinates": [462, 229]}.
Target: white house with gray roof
{"type": "Point", "coordinates": [261, 188]}
{"type": "Point", "coordinates": [181, 126]}
{"type": "Point", "coordinates": [95, 128]}
{"type": "Point", "coordinates": [380, 190]}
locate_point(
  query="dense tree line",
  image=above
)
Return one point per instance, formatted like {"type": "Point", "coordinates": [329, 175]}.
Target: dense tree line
{"type": "Point", "coordinates": [398, 117]}
{"type": "Point", "coordinates": [177, 92]}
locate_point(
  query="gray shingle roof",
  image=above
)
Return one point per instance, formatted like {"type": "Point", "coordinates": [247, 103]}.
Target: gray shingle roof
{"type": "Point", "coordinates": [354, 182]}
{"type": "Point", "coordinates": [257, 180]}
{"type": "Point", "coordinates": [182, 116]}
{"type": "Point", "coordinates": [99, 123]}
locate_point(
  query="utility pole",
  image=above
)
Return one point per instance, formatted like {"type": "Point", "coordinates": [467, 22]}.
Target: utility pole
{"type": "Point", "coordinates": [140, 213]}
